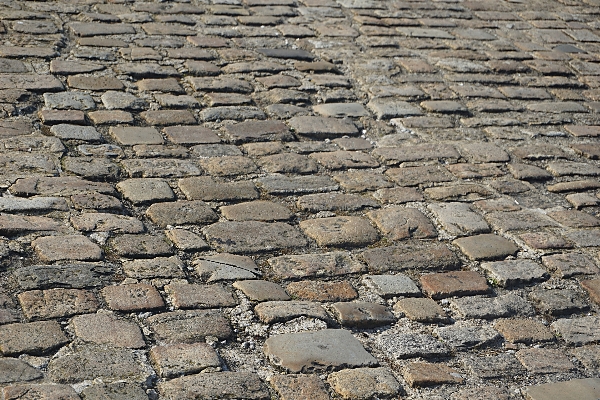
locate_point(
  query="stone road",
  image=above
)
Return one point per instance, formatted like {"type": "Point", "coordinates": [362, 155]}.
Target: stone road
{"type": "Point", "coordinates": [300, 199]}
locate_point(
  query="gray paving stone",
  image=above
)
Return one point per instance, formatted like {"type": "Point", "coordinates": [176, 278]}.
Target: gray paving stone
{"type": "Point", "coordinates": [105, 222]}
{"type": "Point", "coordinates": [189, 326]}
{"type": "Point", "coordinates": [145, 190]}
{"type": "Point", "coordinates": [486, 247]}
{"type": "Point", "coordinates": [181, 213]}
{"type": "Point", "coordinates": [261, 290]}
{"type": "Point", "coordinates": [281, 184]}
{"type": "Point", "coordinates": [259, 210]}
{"type": "Point", "coordinates": [105, 328]}
{"type": "Point", "coordinates": [281, 311]}
{"type": "Point", "coordinates": [544, 361]}
{"type": "Point", "coordinates": [253, 236]}
{"type": "Point", "coordinates": [489, 308]}
{"type": "Point", "coordinates": [410, 255]}
{"type": "Point", "coordinates": [386, 108]}
{"type": "Point", "coordinates": [410, 345]}
{"type": "Point", "coordinates": [334, 202]}
{"type": "Point", "coordinates": [68, 247]}
{"type": "Point", "coordinates": [76, 132]}
{"type": "Point", "coordinates": [76, 276]}
{"type": "Point", "coordinates": [578, 331]}
{"type": "Point", "coordinates": [459, 219]}
{"type": "Point", "coordinates": [362, 314]}
{"type": "Point", "coordinates": [315, 351]}
{"type": "Point", "coordinates": [392, 285]}
{"type": "Point", "coordinates": [515, 272]}
{"type": "Point", "coordinates": [15, 370]}
{"type": "Point", "coordinates": [224, 385]}
{"type": "Point", "coordinates": [174, 360]}
{"type": "Point", "coordinates": [114, 391]}
{"type": "Point", "coordinates": [500, 366]}
{"type": "Point", "coordinates": [225, 266]}
{"type": "Point", "coordinates": [299, 386]}
{"type": "Point", "coordinates": [322, 127]}
{"type": "Point", "coordinates": [31, 338]}
{"type": "Point", "coordinates": [69, 101]}
{"type": "Point", "coordinates": [364, 383]}
{"type": "Point", "coordinates": [39, 391]}
{"type": "Point", "coordinates": [464, 335]}
{"type": "Point", "coordinates": [88, 362]}
{"type": "Point", "coordinates": [558, 301]}
{"type": "Point", "coordinates": [315, 265]}
{"type": "Point", "coordinates": [130, 135]}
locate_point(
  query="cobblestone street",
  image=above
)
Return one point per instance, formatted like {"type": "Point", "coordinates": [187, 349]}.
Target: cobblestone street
{"type": "Point", "coordinates": [300, 199]}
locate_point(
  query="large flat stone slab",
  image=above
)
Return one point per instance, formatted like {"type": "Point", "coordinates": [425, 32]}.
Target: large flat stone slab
{"type": "Point", "coordinates": [329, 349]}
{"type": "Point", "coordinates": [575, 389]}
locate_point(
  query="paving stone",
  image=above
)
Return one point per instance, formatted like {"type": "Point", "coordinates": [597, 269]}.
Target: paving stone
{"type": "Point", "coordinates": [14, 224]}
{"type": "Point", "coordinates": [577, 331]}
{"type": "Point", "coordinates": [322, 291]}
{"type": "Point", "coordinates": [188, 326]}
{"type": "Point", "coordinates": [168, 117]}
{"type": "Point", "coordinates": [392, 285]}
{"type": "Point", "coordinates": [589, 356]}
{"type": "Point", "coordinates": [570, 264]}
{"type": "Point", "coordinates": [459, 283]}
{"type": "Point", "coordinates": [57, 303]}
{"type": "Point", "coordinates": [459, 219]}
{"type": "Point", "coordinates": [189, 134]}
{"type": "Point", "coordinates": [91, 362]}
{"type": "Point", "coordinates": [340, 231]}
{"type": "Point", "coordinates": [95, 201]}
{"type": "Point", "coordinates": [225, 266]}
{"type": "Point", "coordinates": [140, 246]}
{"type": "Point", "coordinates": [174, 360]}
{"type": "Point", "coordinates": [412, 176]}
{"type": "Point", "coordinates": [252, 131]}
{"type": "Point", "coordinates": [113, 117]}
{"type": "Point", "coordinates": [464, 335]}
{"type": "Point", "coordinates": [315, 265]}
{"type": "Point", "coordinates": [253, 236]}
{"type": "Point", "coordinates": [398, 223]}
{"type": "Point", "coordinates": [421, 374]}
{"type": "Point", "coordinates": [281, 311]}
{"type": "Point", "coordinates": [521, 330]}
{"type": "Point", "coordinates": [104, 222]}
{"type": "Point", "coordinates": [573, 186]}
{"type": "Point", "coordinates": [39, 391]}
{"type": "Point", "coordinates": [410, 255]}
{"type": "Point", "coordinates": [145, 190]}
{"type": "Point", "coordinates": [96, 83]}
{"type": "Point", "coordinates": [76, 132]}
{"type": "Point", "coordinates": [69, 101]}
{"type": "Point", "coordinates": [421, 310]}
{"type": "Point", "coordinates": [593, 288]}
{"type": "Point", "coordinates": [181, 213]}
{"type": "Point", "coordinates": [364, 383]}
{"type": "Point", "coordinates": [481, 393]}
{"type": "Point", "coordinates": [574, 218]}
{"type": "Point", "coordinates": [35, 204]}
{"type": "Point", "coordinates": [362, 314]}
{"type": "Point", "coordinates": [132, 297]}
{"type": "Point", "coordinates": [361, 180]}
{"type": "Point", "coordinates": [334, 202]}
{"type": "Point", "coordinates": [486, 247]}
{"type": "Point", "coordinates": [544, 361]}
{"type": "Point", "coordinates": [33, 82]}
{"type": "Point", "coordinates": [183, 295]}
{"type": "Point", "coordinates": [322, 127]}
{"type": "Point", "coordinates": [514, 272]}
{"type": "Point", "coordinates": [410, 345]}
{"type": "Point", "coordinates": [136, 135]}
{"type": "Point", "coordinates": [224, 385]}
{"type": "Point", "coordinates": [260, 290]}
{"type": "Point", "coordinates": [14, 370]}
{"type": "Point", "coordinates": [281, 184]}
{"type": "Point", "coordinates": [558, 301]}
{"type": "Point", "coordinates": [463, 192]}
{"type": "Point", "coordinates": [498, 366]}
{"type": "Point", "coordinates": [69, 247]}
{"type": "Point", "coordinates": [397, 155]}
{"type": "Point", "coordinates": [288, 163]}
{"type": "Point", "coordinates": [94, 29]}
{"type": "Point", "coordinates": [496, 307]}
{"type": "Point", "coordinates": [76, 276]}
{"type": "Point", "coordinates": [528, 172]}
{"type": "Point", "coordinates": [259, 210]}
{"type": "Point", "coordinates": [205, 188]}
{"type": "Point", "coordinates": [186, 240]}
{"type": "Point", "coordinates": [105, 328]}
{"type": "Point", "coordinates": [321, 350]}
{"type": "Point", "coordinates": [565, 168]}
{"type": "Point", "coordinates": [114, 391]}
{"type": "Point", "coordinates": [31, 338]}
{"type": "Point", "coordinates": [299, 387]}
{"type": "Point", "coordinates": [580, 389]}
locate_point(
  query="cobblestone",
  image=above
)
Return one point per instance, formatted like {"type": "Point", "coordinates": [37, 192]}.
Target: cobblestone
{"type": "Point", "coordinates": [346, 150]}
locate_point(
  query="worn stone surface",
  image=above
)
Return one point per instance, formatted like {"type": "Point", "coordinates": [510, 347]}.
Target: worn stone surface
{"type": "Point", "coordinates": [177, 359]}
{"type": "Point", "coordinates": [315, 351]}
{"type": "Point", "coordinates": [583, 389]}
{"type": "Point", "coordinates": [364, 383]}
{"type": "Point", "coordinates": [224, 385]}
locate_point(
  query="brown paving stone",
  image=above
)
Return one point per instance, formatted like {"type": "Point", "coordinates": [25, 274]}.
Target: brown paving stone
{"type": "Point", "coordinates": [363, 383]}
{"type": "Point", "coordinates": [299, 387]}
{"type": "Point", "coordinates": [106, 328]}
{"type": "Point", "coordinates": [188, 326]}
{"type": "Point", "coordinates": [340, 231]}
{"type": "Point", "coordinates": [173, 360]}
{"type": "Point", "coordinates": [225, 385]}
{"type": "Point", "coordinates": [57, 303]}
{"type": "Point", "coordinates": [421, 310]}
{"type": "Point", "coordinates": [486, 247]}
{"type": "Point", "coordinates": [571, 264]}
{"type": "Point", "coordinates": [523, 330]}
{"type": "Point", "coordinates": [71, 247]}
{"type": "Point", "coordinates": [39, 391]}
{"type": "Point", "coordinates": [574, 389]}
{"type": "Point", "coordinates": [31, 338]}
{"type": "Point", "coordinates": [419, 374]}
{"type": "Point", "coordinates": [133, 297]}
{"type": "Point", "coordinates": [593, 288]}
{"type": "Point", "coordinates": [401, 223]}
{"type": "Point", "coordinates": [322, 291]}
{"type": "Point", "coordinates": [181, 213]}
{"type": "Point", "coordinates": [185, 295]}
{"type": "Point", "coordinates": [459, 283]}
{"type": "Point", "coordinates": [260, 290]}
{"type": "Point", "coordinates": [544, 361]}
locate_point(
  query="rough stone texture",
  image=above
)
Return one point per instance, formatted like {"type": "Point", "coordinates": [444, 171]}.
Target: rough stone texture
{"type": "Point", "coordinates": [410, 255]}
{"type": "Point", "coordinates": [259, 290]}
{"type": "Point", "coordinates": [134, 297]}
{"type": "Point", "coordinates": [322, 291]}
{"type": "Point", "coordinates": [329, 349]}
{"type": "Point", "coordinates": [39, 391]}
{"type": "Point", "coordinates": [31, 338]}
{"type": "Point", "coordinates": [299, 387]}
{"type": "Point", "coordinates": [57, 303]}
{"type": "Point", "coordinates": [523, 331]}
{"type": "Point", "coordinates": [188, 326]}
{"type": "Point", "coordinates": [71, 247]}
{"type": "Point", "coordinates": [362, 315]}
{"type": "Point", "coordinates": [486, 247]}
{"type": "Point", "coordinates": [398, 223]}
{"type": "Point", "coordinates": [105, 328]}
{"type": "Point", "coordinates": [419, 374]}
{"type": "Point", "coordinates": [177, 359]}
{"type": "Point", "coordinates": [315, 265]}
{"type": "Point", "coordinates": [340, 231]}
{"type": "Point", "coordinates": [448, 284]}
{"type": "Point", "coordinates": [580, 389]}
{"type": "Point", "coordinates": [364, 383]}
{"type": "Point", "coordinates": [410, 345]}
{"type": "Point", "coordinates": [223, 385]}
{"type": "Point", "coordinates": [276, 311]}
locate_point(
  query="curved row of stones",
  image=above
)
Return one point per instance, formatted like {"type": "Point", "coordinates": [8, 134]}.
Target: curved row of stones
{"type": "Point", "coordinates": [299, 199]}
